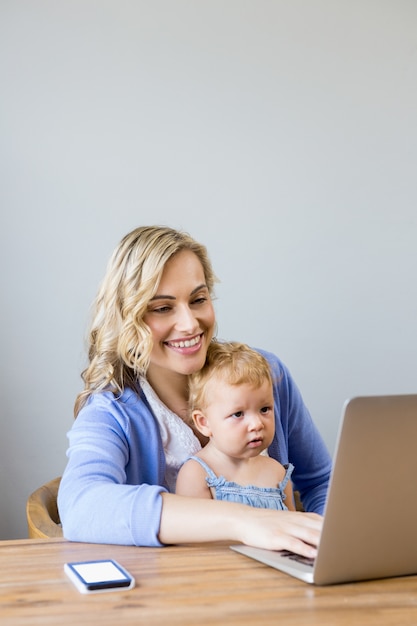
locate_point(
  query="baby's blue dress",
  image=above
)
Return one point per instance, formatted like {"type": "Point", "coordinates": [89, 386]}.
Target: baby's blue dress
{"type": "Point", "coordinates": [261, 497]}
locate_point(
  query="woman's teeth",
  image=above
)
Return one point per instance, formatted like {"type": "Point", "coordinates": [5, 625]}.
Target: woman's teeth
{"type": "Point", "coordinates": [185, 344]}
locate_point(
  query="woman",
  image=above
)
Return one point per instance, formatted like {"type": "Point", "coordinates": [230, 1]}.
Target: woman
{"type": "Point", "coordinates": [152, 323]}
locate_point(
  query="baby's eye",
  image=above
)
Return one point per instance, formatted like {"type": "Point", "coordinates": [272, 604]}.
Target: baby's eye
{"type": "Point", "coordinates": [238, 414]}
{"type": "Point", "coordinates": [266, 409]}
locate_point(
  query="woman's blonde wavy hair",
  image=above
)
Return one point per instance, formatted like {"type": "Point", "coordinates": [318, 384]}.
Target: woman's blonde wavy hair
{"type": "Point", "coordinates": [120, 343]}
{"type": "Point", "coordinates": [233, 362]}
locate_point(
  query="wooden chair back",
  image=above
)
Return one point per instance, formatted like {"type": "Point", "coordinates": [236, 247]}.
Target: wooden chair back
{"type": "Point", "coordinates": [42, 511]}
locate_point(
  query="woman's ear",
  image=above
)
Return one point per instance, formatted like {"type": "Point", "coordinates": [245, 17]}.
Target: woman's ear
{"type": "Point", "coordinates": [200, 422]}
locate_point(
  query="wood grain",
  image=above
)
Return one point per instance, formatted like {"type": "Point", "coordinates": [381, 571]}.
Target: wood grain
{"type": "Point", "coordinates": [179, 585]}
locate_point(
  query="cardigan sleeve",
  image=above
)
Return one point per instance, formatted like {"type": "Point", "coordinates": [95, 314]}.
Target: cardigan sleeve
{"type": "Point", "coordinates": [297, 439]}
{"type": "Point", "coordinates": [111, 486]}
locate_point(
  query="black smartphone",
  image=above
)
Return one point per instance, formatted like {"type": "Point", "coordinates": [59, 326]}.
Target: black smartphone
{"type": "Point", "coordinates": [96, 576]}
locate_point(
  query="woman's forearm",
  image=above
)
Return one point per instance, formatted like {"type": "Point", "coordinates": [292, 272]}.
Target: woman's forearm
{"type": "Point", "coordinates": [192, 520]}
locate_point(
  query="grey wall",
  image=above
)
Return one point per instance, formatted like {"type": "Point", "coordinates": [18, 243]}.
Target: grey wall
{"type": "Point", "coordinates": [281, 134]}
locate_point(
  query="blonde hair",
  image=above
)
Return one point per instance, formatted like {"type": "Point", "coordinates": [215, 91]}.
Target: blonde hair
{"type": "Point", "coordinates": [233, 362]}
{"type": "Point", "coordinates": [120, 343]}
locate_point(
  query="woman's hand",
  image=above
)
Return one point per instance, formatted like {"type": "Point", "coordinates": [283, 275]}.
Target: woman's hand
{"type": "Point", "coordinates": [281, 530]}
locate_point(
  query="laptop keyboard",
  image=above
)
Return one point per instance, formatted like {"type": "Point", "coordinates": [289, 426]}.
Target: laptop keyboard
{"type": "Point", "coordinates": [297, 557]}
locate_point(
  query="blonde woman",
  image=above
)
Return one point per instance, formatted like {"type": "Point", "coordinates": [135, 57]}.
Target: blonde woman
{"type": "Point", "coordinates": [153, 321]}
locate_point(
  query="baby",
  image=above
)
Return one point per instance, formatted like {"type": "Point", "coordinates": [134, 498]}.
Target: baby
{"type": "Point", "coordinates": [232, 405]}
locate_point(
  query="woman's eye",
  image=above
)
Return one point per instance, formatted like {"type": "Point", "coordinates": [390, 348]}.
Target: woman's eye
{"type": "Point", "coordinates": [161, 309]}
{"type": "Point", "coordinates": [200, 300]}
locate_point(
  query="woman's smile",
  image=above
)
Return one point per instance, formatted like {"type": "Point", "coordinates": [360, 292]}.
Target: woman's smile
{"type": "Point", "coordinates": [186, 346]}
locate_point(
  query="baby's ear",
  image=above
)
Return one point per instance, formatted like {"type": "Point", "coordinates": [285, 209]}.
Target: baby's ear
{"type": "Point", "coordinates": [200, 422]}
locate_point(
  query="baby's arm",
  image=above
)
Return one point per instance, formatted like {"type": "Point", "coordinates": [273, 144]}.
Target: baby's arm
{"type": "Point", "coordinates": [191, 481]}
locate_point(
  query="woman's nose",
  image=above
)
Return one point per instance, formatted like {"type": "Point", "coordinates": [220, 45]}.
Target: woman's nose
{"type": "Point", "coordinates": [186, 320]}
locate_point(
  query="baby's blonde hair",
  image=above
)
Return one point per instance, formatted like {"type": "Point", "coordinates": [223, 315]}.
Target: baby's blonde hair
{"type": "Point", "coordinates": [120, 343]}
{"type": "Point", "coordinates": [233, 362]}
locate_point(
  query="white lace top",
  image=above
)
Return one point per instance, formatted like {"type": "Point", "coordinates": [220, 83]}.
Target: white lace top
{"type": "Point", "coordinates": [178, 440]}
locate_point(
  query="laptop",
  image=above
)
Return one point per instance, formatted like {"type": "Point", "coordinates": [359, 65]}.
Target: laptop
{"type": "Point", "coordinates": [370, 519]}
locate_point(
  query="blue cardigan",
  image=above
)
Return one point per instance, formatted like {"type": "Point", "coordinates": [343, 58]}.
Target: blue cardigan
{"type": "Point", "coordinates": [110, 489]}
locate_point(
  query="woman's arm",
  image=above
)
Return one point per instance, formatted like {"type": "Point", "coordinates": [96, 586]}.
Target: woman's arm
{"type": "Point", "coordinates": [112, 491]}
{"type": "Point", "coordinates": [190, 520]}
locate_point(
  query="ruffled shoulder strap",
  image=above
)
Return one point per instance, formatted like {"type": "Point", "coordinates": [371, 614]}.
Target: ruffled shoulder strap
{"type": "Point", "coordinates": [284, 481]}
{"type": "Point", "coordinates": [204, 465]}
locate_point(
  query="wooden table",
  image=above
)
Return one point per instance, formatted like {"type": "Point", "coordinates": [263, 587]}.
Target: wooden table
{"type": "Point", "coordinates": [204, 584]}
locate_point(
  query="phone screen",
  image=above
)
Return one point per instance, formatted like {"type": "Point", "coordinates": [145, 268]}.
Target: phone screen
{"type": "Point", "coordinates": [105, 575]}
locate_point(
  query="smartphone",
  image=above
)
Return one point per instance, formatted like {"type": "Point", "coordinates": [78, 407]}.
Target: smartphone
{"type": "Point", "coordinates": [96, 576]}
